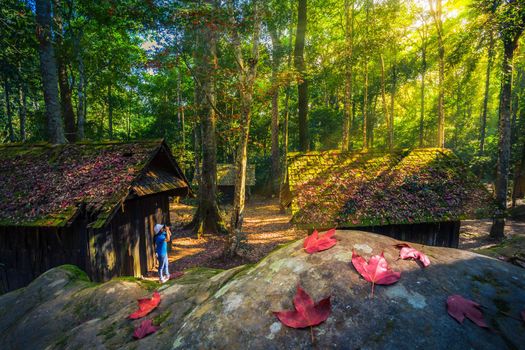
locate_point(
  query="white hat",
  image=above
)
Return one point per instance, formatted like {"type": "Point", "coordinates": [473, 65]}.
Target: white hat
{"type": "Point", "coordinates": [157, 228]}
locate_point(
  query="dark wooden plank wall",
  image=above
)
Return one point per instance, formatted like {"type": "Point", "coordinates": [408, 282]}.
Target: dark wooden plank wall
{"type": "Point", "coordinates": [125, 247]}
{"type": "Point", "coordinates": [27, 252]}
{"type": "Point", "coordinates": [442, 234]}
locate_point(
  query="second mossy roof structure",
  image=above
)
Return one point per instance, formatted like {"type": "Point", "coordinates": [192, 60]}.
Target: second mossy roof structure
{"type": "Point", "coordinates": [46, 185]}
{"type": "Point", "coordinates": [344, 189]}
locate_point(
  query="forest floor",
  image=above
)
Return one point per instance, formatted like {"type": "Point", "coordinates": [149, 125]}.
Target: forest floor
{"type": "Point", "coordinates": [266, 228]}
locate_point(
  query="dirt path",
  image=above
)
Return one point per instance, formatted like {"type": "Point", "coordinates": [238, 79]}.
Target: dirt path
{"type": "Point", "coordinates": [266, 228]}
{"type": "Point", "coordinates": [474, 234]}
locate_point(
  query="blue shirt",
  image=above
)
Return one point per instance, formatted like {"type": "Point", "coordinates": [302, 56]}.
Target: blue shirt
{"type": "Point", "coordinates": [161, 244]}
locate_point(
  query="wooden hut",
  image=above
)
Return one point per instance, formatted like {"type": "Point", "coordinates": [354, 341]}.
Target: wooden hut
{"type": "Point", "coordinates": [88, 204]}
{"type": "Point", "coordinates": [226, 181]}
{"type": "Point", "coordinates": [419, 195]}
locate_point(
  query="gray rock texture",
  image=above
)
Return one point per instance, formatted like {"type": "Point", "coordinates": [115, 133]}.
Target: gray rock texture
{"type": "Point", "coordinates": [212, 309]}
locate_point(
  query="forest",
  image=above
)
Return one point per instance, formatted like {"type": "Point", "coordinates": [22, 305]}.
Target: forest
{"type": "Point", "coordinates": [262, 174]}
{"type": "Point", "coordinates": [250, 81]}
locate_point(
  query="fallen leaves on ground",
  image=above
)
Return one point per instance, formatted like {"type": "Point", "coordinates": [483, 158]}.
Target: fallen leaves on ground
{"type": "Point", "coordinates": [146, 305]}
{"type": "Point", "coordinates": [408, 252]}
{"type": "Point", "coordinates": [306, 313]}
{"type": "Point", "coordinates": [313, 243]}
{"type": "Point", "coordinates": [145, 328]}
{"type": "Point", "coordinates": [376, 270]}
{"type": "Point", "coordinates": [459, 307]}
{"type": "Point", "coordinates": [176, 275]}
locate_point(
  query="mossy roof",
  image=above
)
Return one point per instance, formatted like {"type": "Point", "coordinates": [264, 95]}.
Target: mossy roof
{"type": "Point", "coordinates": [45, 185]}
{"type": "Point", "coordinates": [344, 189]}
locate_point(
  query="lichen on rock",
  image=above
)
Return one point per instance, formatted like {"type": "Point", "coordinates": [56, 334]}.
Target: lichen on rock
{"type": "Point", "coordinates": [234, 308]}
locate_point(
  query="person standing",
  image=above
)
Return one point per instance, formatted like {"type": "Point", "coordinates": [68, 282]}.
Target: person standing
{"type": "Point", "coordinates": [162, 237]}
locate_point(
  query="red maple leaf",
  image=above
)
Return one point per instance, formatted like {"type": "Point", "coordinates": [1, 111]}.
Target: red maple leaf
{"type": "Point", "coordinates": [459, 307]}
{"type": "Point", "coordinates": [306, 313]}
{"type": "Point", "coordinates": [146, 305]}
{"type": "Point", "coordinates": [314, 243]}
{"type": "Point", "coordinates": [407, 252]}
{"type": "Point", "coordinates": [145, 328]}
{"type": "Point", "coordinates": [376, 270]}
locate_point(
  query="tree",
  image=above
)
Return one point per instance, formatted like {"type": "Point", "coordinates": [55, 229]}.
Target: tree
{"type": "Point", "coordinates": [423, 33]}
{"type": "Point", "coordinates": [81, 95]}
{"type": "Point", "coordinates": [207, 217]}
{"type": "Point", "coordinates": [349, 43]}
{"type": "Point", "coordinates": [511, 21]}
{"type": "Point", "coordinates": [48, 69]}
{"type": "Point", "coordinates": [300, 66]}
{"type": "Point", "coordinates": [247, 72]}
{"type": "Point", "coordinates": [483, 127]}
{"type": "Point", "coordinates": [276, 59]}
{"type": "Point", "coordinates": [436, 13]}
{"type": "Point", "coordinates": [9, 115]}
{"type": "Point", "coordinates": [63, 78]}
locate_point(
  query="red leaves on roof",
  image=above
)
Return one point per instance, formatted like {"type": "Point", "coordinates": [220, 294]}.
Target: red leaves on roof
{"type": "Point", "coordinates": [146, 305]}
{"type": "Point", "coordinates": [459, 307]}
{"type": "Point", "coordinates": [306, 313]}
{"type": "Point", "coordinates": [407, 252]}
{"type": "Point", "coordinates": [376, 270]}
{"type": "Point", "coordinates": [373, 189]}
{"type": "Point", "coordinates": [313, 243]}
{"type": "Point", "coordinates": [145, 328]}
{"type": "Point", "coordinates": [48, 180]}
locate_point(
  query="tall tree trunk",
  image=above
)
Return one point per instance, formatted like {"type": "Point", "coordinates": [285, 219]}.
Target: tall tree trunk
{"type": "Point", "coordinates": [284, 172]}
{"type": "Point", "coordinates": [48, 69]}
{"type": "Point", "coordinates": [22, 110]}
{"type": "Point", "coordinates": [247, 72]}
{"type": "Point", "coordinates": [81, 116]}
{"type": "Point", "coordinates": [365, 109]}
{"type": "Point", "coordinates": [518, 190]}
{"type": "Point", "coordinates": [517, 83]}
{"type": "Point", "coordinates": [392, 105]}
{"type": "Point", "coordinates": [65, 90]}
{"type": "Point", "coordinates": [180, 117]}
{"type": "Point", "coordinates": [8, 111]}
{"type": "Point", "coordinates": [423, 74]}
{"type": "Point", "coordinates": [129, 115]}
{"type": "Point", "coordinates": [502, 174]}
{"type": "Point", "coordinates": [207, 217]}
{"type": "Point", "coordinates": [366, 121]}
{"type": "Point", "coordinates": [302, 87]}
{"type": "Point", "coordinates": [275, 158]}
{"type": "Point", "coordinates": [349, 43]}
{"type": "Point", "coordinates": [441, 53]}
{"type": "Point", "coordinates": [490, 59]}
{"type": "Point", "coordinates": [110, 111]}
{"type": "Point", "coordinates": [67, 105]}
{"type": "Point", "coordinates": [383, 100]}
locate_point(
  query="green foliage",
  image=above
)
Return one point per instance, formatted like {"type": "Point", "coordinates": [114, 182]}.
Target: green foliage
{"type": "Point", "coordinates": [138, 63]}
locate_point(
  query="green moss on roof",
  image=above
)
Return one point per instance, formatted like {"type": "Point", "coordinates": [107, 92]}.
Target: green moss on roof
{"type": "Point", "coordinates": [371, 188]}
{"type": "Point", "coordinates": [44, 185]}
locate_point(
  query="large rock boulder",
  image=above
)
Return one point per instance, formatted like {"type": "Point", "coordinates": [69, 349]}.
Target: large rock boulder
{"type": "Point", "coordinates": [232, 309]}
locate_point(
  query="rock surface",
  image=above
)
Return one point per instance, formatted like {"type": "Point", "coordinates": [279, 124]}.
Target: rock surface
{"type": "Point", "coordinates": [232, 309]}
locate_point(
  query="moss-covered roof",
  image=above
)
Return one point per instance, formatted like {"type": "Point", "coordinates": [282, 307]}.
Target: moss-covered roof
{"type": "Point", "coordinates": [332, 188]}
{"type": "Point", "coordinates": [45, 185]}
